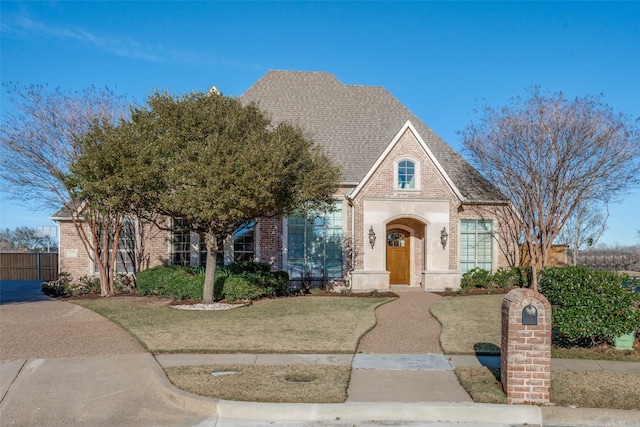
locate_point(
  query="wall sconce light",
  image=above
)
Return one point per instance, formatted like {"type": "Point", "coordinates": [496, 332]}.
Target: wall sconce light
{"type": "Point", "coordinates": [444, 237]}
{"type": "Point", "coordinates": [372, 237]}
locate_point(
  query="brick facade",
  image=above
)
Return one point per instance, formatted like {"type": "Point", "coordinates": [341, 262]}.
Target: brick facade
{"type": "Point", "coordinates": [526, 348]}
{"type": "Point", "coordinates": [408, 209]}
{"type": "Point", "coordinates": [73, 258]}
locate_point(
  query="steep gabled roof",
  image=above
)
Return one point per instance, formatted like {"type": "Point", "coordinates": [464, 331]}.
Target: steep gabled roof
{"type": "Point", "coordinates": [355, 124]}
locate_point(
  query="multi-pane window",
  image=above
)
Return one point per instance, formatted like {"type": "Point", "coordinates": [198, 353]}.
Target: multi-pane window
{"type": "Point", "coordinates": [395, 240]}
{"type": "Point", "coordinates": [244, 243]}
{"type": "Point", "coordinates": [181, 244]}
{"type": "Point", "coordinates": [243, 246]}
{"type": "Point", "coordinates": [203, 253]}
{"type": "Point", "coordinates": [476, 245]}
{"type": "Point", "coordinates": [314, 245]}
{"type": "Point", "coordinates": [406, 175]}
{"type": "Point", "coordinates": [126, 256]}
{"type": "Point", "coordinates": [126, 259]}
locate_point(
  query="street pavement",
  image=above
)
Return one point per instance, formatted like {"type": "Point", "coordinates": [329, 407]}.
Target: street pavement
{"type": "Point", "coordinates": [62, 365]}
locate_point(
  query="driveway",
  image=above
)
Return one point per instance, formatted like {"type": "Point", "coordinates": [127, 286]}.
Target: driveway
{"type": "Point", "coordinates": [63, 365]}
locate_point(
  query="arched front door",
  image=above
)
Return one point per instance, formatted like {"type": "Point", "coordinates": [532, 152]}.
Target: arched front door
{"type": "Point", "coordinates": [398, 257]}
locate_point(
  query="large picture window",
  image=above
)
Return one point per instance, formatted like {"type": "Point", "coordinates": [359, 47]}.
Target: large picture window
{"type": "Point", "coordinates": [314, 245]}
{"type": "Point", "coordinates": [476, 245]}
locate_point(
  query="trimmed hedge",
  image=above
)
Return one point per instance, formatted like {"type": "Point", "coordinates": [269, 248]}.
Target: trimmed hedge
{"type": "Point", "coordinates": [590, 305]}
{"type": "Point", "coordinates": [503, 278]}
{"type": "Point", "coordinates": [172, 282]}
{"type": "Point", "coordinates": [238, 281]}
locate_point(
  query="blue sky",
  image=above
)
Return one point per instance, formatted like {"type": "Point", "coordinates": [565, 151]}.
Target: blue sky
{"type": "Point", "coordinates": [437, 58]}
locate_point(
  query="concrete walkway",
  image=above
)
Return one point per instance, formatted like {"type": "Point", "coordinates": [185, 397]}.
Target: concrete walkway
{"type": "Point", "coordinates": [62, 365]}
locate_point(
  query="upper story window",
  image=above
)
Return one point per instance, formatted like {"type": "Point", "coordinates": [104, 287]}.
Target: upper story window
{"type": "Point", "coordinates": [407, 173]}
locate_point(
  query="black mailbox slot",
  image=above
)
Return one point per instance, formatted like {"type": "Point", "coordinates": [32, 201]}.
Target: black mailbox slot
{"type": "Point", "coordinates": [530, 315]}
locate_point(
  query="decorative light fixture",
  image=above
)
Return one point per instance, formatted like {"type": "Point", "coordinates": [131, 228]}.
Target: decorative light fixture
{"type": "Point", "coordinates": [444, 237]}
{"type": "Point", "coordinates": [372, 237]}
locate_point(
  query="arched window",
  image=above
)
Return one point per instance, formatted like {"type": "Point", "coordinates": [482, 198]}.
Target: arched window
{"type": "Point", "coordinates": [406, 175]}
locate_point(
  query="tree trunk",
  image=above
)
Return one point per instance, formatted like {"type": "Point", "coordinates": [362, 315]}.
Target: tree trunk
{"type": "Point", "coordinates": [210, 271]}
{"type": "Point", "coordinates": [533, 257]}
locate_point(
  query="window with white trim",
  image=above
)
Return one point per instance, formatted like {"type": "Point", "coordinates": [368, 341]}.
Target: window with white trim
{"type": "Point", "coordinates": [476, 245]}
{"type": "Point", "coordinates": [406, 174]}
{"type": "Point", "coordinates": [314, 245]}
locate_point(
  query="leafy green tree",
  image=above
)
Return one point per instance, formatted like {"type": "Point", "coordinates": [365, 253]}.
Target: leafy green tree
{"type": "Point", "coordinates": [210, 161]}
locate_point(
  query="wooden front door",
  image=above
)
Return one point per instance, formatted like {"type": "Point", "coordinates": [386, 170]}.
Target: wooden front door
{"type": "Point", "coordinates": [398, 257]}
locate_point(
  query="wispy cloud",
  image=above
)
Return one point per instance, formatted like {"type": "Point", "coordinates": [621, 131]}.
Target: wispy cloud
{"type": "Point", "coordinates": [23, 26]}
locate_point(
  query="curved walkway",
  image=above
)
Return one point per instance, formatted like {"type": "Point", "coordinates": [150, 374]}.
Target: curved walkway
{"type": "Point", "coordinates": [404, 326]}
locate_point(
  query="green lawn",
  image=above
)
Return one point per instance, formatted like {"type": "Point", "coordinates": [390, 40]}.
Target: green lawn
{"type": "Point", "coordinates": [309, 324]}
{"type": "Point", "coordinates": [472, 325]}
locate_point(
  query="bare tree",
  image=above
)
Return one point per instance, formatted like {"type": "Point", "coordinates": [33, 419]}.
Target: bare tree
{"type": "Point", "coordinates": [40, 139]}
{"type": "Point", "coordinates": [584, 227]}
{"type": "Point", "coordinates": [548, 154]}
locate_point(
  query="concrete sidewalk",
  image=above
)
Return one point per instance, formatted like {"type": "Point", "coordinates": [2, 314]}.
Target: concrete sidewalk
{"type": "Point", "coordinates": [404, 389]}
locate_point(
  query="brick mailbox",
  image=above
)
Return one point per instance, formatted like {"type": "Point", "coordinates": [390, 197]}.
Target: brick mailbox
{"type": "Point", "coordinates": [526, 347]}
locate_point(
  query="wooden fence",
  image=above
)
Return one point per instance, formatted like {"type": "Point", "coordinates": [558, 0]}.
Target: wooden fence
{"type": "Point", "coordinates": [28, 266]}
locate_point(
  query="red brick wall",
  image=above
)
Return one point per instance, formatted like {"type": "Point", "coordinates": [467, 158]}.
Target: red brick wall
{"type": "Point", "coordinates": [526, 349]}
{"type": "Point", "coordinates": [270, 242]}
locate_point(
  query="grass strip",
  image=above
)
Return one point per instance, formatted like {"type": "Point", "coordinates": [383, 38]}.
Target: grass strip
{"type": "Point", "coordinates": [583, 389]}
{"type": "Point", "coordinates": [291, 383]}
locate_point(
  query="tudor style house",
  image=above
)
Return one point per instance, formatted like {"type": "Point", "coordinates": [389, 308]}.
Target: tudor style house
{"type": "Point", "coordinates": [409, 212]}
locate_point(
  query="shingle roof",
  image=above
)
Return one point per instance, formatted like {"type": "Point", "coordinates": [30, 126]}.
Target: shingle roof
{"type": "Point", "coordinates": [355, 124]}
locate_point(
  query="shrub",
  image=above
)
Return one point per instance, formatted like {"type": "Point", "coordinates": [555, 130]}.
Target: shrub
{"type": "Point", "coordinates": [57, 288]}
{"type": "Point", "coordinates": [589, 304]}
{"type": "Point", "coordinates": [248, 267]}
{"type": "Point", "coordinates": [503, 278]}
{"type": "Point", "coordinates": [513, 277]}
{"type": "Point", "coordinates": [255, 285]}
{"type": "Point", "coordinates": [84, 285]}
{"type": "Point", "coordinates": [171, 282]}
{"type": "Point", "coordinates": [187, 282]}
{"type": "Point", "coordinates": [476, 278]}
{"type": "Point", "coordinates": [242, 288]}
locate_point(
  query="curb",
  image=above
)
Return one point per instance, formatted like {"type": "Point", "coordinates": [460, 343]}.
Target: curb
{"type": "Point", "coordinates": [229, 411]}
{"type": "Point", "coordinates": [177, 397]}
{"type": "Point", "coordinates": [566, 416]}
